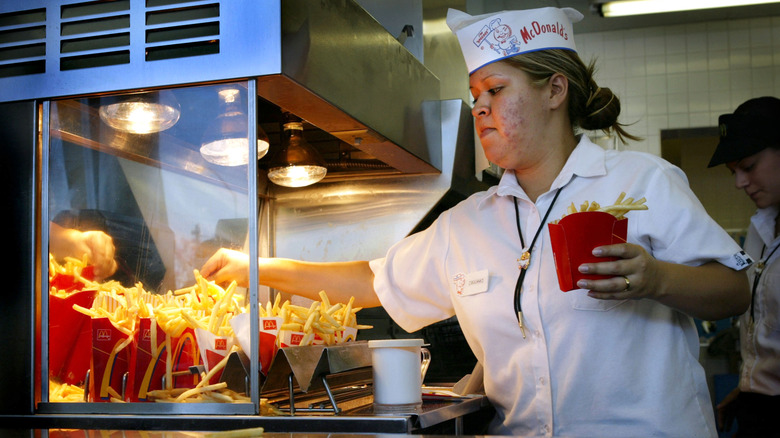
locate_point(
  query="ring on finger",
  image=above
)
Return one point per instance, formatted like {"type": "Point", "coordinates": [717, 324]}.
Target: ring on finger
{"type": "Point", "coordinates": [628, 283]}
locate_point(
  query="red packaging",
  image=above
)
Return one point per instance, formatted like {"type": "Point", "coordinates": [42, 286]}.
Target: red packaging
{"type": "Point", "coordinates": [269, 331]}
{"type": "Point", "coordinates": [288, 338]}
{"type": "Point", "coordinates": [70, 337]}
{"type": "Point", "coordinates": [185, 354]}
{"type": "Point", "coordinates": [68, 283]}
{"type": "Point", "coordinates": [573, 239]}
{"type": "Point", "coordinates": [109, 364]}
{"type": "Point", "coordinates": [213, 349]}
{"type": "Point", "coordinates": [147, 365]}
{"type": "Point", "coordinates": [69, 333]}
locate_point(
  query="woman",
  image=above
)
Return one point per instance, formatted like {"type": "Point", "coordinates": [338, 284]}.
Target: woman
{"type": "Point", "coordinates": [750, 147]}
{"type": "Point", "coordinates": [615, 358]}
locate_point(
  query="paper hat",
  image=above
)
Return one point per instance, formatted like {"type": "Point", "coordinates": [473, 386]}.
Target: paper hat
{"type": "Point", "coordinates": [491, 37]}
{"type": "Point", "coordinates": [751, 129]}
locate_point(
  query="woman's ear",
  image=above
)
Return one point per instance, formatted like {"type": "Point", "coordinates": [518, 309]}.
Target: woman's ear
{"type": "Point", "coordinates": [559, 90]}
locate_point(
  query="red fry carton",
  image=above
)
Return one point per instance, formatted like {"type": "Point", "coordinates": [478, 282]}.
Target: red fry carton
{"type": "Point", "coordinates": [269, 331]}
{"type": "Point", "coordinates": [70, 337]}
{"type": "Point", "coordinates": [68, 283]}
{"type": "Point", "coordinates": [289, 338]}
{"type": "Point", "coordinates": [573, 239]}
{"type": "Point", "coordinates": [213, 349]}
{"type": "Point", "coordinates": [148, 361]}
{"type": "Point", "coordinates": [184, 354]}
{"type": "Point", "coordinates": [110, 359]}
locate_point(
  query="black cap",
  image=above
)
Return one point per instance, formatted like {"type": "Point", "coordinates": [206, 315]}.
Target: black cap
{"type": "Point", "coordinates": [754, 126]}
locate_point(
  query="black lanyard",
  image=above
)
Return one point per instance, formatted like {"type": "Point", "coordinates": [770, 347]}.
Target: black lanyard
{"type": "Point", "coordinates": [525, 258]}
{"type": "Point", "coordinates": [757, 276]}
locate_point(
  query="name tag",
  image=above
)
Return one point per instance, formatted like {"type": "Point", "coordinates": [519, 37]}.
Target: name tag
{"type": "Point", "coordinates": [472, 283]}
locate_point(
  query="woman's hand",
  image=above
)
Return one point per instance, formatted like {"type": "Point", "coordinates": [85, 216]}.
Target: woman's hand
{"type": "Point", "coordinates": [634, 273]}
{"type": "Point", "coordinates": [227, 265]}
{"type": "Point", "coordinates": [96, 245]}
{"type": "Point", "coordinates": [710, 292]}
{"type": "Point", "coordinates": [100, 249]}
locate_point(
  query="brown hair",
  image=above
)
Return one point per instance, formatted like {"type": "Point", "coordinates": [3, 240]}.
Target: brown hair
{"type": "Point", "coordinates": [590, 106]}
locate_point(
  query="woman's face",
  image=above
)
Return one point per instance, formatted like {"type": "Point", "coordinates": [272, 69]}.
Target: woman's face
{"type": "Point", "coordinates": [510, 115]}
{"type": "Point", "coordinates": [759, 176]}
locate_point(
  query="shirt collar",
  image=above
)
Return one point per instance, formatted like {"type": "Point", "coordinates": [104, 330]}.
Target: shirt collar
{"type": "Point", "coordinates": [764, 221]}
{"type": "Point", "coordinates": [587, 160]}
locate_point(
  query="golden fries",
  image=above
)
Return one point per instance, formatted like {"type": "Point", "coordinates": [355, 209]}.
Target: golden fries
{"type": "Point", "coordinates": [321, 319]}
{"type": "Point", "coordinates": [203, 305]}
{"type": "Point", "coordinates": [621, 206]}
{"type": "Point", "coordinates": [64, 392]}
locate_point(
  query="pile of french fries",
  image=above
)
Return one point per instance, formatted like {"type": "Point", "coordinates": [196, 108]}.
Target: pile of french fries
{"type": "Point", "coordinates": [70, 266]}
{"type": "Point", "coordinates": [204, 305]}
{"type": "Point", "coordinates": [619, 209]}
{"type": "Point", "coordinates": [65, 392]}
{"type": "Point", "coordinates": [321, 319]}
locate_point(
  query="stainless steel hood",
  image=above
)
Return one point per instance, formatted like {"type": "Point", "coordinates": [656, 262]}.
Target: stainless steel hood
{"type": "Point", "coordinates": [329, 62]}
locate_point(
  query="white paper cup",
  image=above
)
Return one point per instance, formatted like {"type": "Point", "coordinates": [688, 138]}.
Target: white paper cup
{"type": "Point", "coordinates": [398, 373]}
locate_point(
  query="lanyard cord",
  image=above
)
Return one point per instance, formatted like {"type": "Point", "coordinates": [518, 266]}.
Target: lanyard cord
{"type": "Point", "coordinates": [526, 254]}
{"type": "Point", "coordinates": [759, 270]}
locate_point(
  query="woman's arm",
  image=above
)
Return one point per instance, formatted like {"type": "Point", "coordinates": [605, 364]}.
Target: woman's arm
{"type": "Point", "coordinates": [340, 280]}
{"type": "Point", "coordinates": [710, 292]}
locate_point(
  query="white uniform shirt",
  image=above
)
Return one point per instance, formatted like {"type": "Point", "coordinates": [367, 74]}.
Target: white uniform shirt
{"type": "Point", "coordinates": [588, 367]}
{"type": "Point", "coordinates": [760, 342]}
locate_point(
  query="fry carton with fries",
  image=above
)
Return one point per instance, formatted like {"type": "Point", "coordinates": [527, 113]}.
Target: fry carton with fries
{"type": "Point", "coordinates": [285, 324]}
{"type": "Point", "coordinates": [70, 332]}
{"type": "Point", "coordinates": [574, 236]}
{"type": "Point", "coordinates": [148, 359]}
{"type": "Point", "coordinates": [155, 340]}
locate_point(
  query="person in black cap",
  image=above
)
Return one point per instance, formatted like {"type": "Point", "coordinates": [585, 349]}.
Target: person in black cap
{"type": "Point", "coordinates": [750, 147]}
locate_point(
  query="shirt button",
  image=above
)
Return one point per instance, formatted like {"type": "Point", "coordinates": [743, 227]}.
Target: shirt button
{"type": "Point", "coordinates": [537, 333]}
{"type": "Point", "coordinates": [544, 428]}
{"type": "Point", "coordinates": [541, 380]}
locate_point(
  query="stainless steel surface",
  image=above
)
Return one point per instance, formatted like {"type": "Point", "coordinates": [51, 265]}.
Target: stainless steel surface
{"type": "Point", "coordinates": [308, 363]}
{"type": "Point", "coordinates": [432, 414]}
{"type": "Point", "coordinates": [361, 219]}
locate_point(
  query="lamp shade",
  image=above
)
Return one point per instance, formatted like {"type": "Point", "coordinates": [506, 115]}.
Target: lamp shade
{"type": "Point", "coordinates": [296, 163]}
{"type": "Point", "coordinates": [225, 141]}
{"type": "Point", "coordinates": [141, 113]}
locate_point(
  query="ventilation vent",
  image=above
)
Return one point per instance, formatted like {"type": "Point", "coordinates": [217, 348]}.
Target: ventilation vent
{"type": "Point", "coordinates": [180, 32]}
{"type": "Point", "coordinates": [54, 48]}
{"type": "Point", "coordinates": [100, 33]}
{"type": "Point", "coordinates": [22, 43]}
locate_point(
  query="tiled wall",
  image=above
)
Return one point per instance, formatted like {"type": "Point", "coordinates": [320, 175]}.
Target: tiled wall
{"type": "Point", "coordinates": [684, 76]}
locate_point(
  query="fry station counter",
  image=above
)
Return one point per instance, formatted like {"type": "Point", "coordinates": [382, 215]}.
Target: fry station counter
{"type": "Point", "coordinates": [439, 417]}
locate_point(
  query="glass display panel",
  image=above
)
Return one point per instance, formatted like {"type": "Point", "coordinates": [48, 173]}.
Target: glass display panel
{"type": "Point", "coordinates": [142, 189]}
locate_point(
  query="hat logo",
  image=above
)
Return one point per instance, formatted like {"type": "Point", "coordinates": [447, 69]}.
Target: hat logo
{"type": "Point", "coordinates": [501, 39]}
{"type": "Point", "coordinates": [722, 128]}
{"type": "Point", "coordinates": [498, 37]}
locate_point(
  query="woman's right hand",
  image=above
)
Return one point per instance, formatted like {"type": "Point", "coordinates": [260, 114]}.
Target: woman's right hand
{"type": "Point", "coordinates": [227, 265]}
